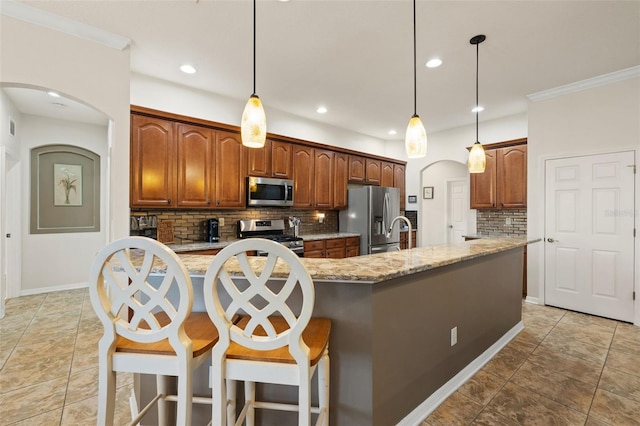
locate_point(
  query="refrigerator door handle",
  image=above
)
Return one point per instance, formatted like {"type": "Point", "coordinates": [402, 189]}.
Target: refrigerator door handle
{"type": "Point", "coordinates": [385, 213]}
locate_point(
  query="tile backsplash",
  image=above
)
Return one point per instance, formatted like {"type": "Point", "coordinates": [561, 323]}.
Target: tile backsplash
{"type": "Point", "coordinates": [502, 222]}
{"type": "Point", "coordinates": [189, 225]}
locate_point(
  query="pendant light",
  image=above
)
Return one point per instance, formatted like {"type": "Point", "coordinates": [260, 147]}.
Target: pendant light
{"type": "Point", "coordinates": [415, 141]}
{"type": "Point", "coordinates": [253, 128]}
{"type": "Point", "coordinates": [477, 159]}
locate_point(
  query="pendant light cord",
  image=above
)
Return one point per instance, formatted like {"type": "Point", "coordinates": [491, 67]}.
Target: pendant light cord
{"type": "Point", "coordinates": [415, 84]}
{"type": "Point", "coordinates": [477, 70]}
{"type": "Point", "coordinates": [254, 47]}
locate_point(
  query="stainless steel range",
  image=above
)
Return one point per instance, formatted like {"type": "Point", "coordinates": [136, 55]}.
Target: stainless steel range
{"type": "Point", "coordinates": [271, 229]}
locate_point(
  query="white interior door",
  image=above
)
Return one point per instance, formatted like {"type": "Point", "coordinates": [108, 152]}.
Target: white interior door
{"type": "Point", "coordinates": [589, 234]}
{"type": "Point", "coordinates": [457, 210]}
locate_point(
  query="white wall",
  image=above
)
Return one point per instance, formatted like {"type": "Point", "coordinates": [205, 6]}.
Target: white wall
{"type": "Point", "coordinates": [92, 73]}
{"type": "Point", "coordinates": [164, 96]}
{"type": "Point", "coordinates": [597, 120]}
{"type": "Point", "coordinates": [68, 255]}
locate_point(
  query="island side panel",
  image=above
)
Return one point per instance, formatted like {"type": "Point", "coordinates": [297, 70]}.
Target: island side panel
{"type": "Point", "coordinates": [413, 317]}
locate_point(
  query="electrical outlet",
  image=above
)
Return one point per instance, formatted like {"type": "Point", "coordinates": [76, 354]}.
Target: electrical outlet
{"type": "Point", "coordinates": [221, 221]}
{"type": "Point", "coordinates": [454, 336]}
{"type": "Point", "coordinates": [507, 221]}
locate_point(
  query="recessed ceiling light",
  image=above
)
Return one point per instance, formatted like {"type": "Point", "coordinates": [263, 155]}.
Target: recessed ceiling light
{"type": "Point", "coordinates": [53, 94]}
{"type": "Point", "coordinates": [321, 110]}
{"type": "Point", "coordinates": [434, 63]}
{"type": "Point", "coordinates": [477, 109]}
{"type": "Point", "coordinates": [187, 69]}
{"type": "Point", "coordinates": [392, 132]}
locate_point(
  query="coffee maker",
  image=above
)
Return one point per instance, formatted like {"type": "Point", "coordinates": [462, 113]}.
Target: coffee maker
{"type": "Point", "coordinates": [213, 230]}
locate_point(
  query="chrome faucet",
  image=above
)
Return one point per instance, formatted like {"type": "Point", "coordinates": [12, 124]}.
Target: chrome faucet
{"type": "Point", "coordinates": [393, 222]}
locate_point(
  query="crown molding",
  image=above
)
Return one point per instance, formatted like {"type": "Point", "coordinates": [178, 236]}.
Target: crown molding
{"type": "Point", "coordinates": [50, 20]}
{"type": "Point", "coordinates": [589, 83]}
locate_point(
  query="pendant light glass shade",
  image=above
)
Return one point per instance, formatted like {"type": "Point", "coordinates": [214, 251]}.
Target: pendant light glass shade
{"type": "Point", "coordinates": [415, 141]}
{"type": "Point", "coordinates": [253, 128]}
{"type": "Point", "coordinates": [477, 159]}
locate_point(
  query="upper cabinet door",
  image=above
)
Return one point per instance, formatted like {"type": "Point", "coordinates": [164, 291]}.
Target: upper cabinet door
{"type": "Point", "coordinates": [153, 171]}
{"type": "Point", "coordinates": [386, 178]}
{"type": "Point", "coordinates": [303, 176]}
{"type": "Point", "coordinates": [512, 179]}
{"type": "Point", "coordinates": [341, 175]}
{"type": "Point", "coordinates": [324, 179]}
{"type": "Point", "coordinates": [260, 160]}
{"type": "Point", "coordinates": [399, 182]}
{"type": "Point", "coordinates": [357, 170]}
{"type": "Point", "coordinates": [195, 166]}
{"type": "Point", "coordinates": [373, 171]}
{"type": "Point", "coordinates": [483, 185]}
{"type": "Point", "coordinates": [281, 159]}
{"type": "Point", "coordinates": [230, 170]}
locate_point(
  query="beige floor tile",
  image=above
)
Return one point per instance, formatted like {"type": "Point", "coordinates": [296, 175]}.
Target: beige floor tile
{"type": "Point", "coordinates": [564, 344]}
{"type": "Point", "coordinates": [489, 417]}
{"type": "Point", "coordinates": [482, 387]}
{"type": "Point", "coordinates": [506, 362]}
{"type": "Point", "coordinates": [615, 409]}
{"type": "Point", "coordinates": [24, 303]}
{"type": "Point", "coordinates": [542, 310]}
{"type": "Point", "coordinates": [456, 410]}
{"type": "Point", "coordinates": [526, 407]}
{"type": "Point", "coordinates": [27, 372]}
{"type": "Point", "coordinates": [624, 362]}
{"type": "Point", "coordinates": [592, 421]}
{"type": "Point", "coordinates": [585, 334]}
{"type": "Point", "coordinates": [565, 390]}
{"type": "Point", "coordinates": [576, 368]}
{"type": "Point", "coordinates": [590, 321]}
{"type": "Point", "coordinates": [620, 383]}
{"type": "Point", "coordinates": [50, 418]}
{"type": "Point", "coordinates": [33, 400]}
{"type": "Point", "coordinates": [84, 412]}
{"type": "Point", "coordinates": [630, 346]}
{"type": "Point", "coordinates": [628, 331]}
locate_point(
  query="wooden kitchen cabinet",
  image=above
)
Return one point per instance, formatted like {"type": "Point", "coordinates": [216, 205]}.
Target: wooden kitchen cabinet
{"type": "Point", "coordinates": [281, 160]}
{"type": "Point", "coordinates": [352, 246]}
{"type": "Point", "coordinates": [303, 176]}
{"type": "Point", "coordinates": [503, 185]}
{"type": "Point", "coordinates": [153, 162]}
{"type": "Point", "coordinates": [365, 170]}
{"type": "Point", "coordinates": [230, 186]}
{"type": "Point", "coordinates": [357, 169]}
{"type": "Point", "coordinates": [272, 160]}
{"type": "Point", "coordinates": [386, 173]}
{"type": "Point", "coordinates": [324, 179]}
{"type": "Point", "coordinates": [340, 180]}
{"type": "Point", "coordinates": [373, 171]}
{"type": "Point", "coordinates": [399, 182]}
{"type": "Point", "coordinates": [404, 239]}
{"type": "Point", "coordinates": [332, 248]}
{"type": "Point", "coordinates": [195, 166]}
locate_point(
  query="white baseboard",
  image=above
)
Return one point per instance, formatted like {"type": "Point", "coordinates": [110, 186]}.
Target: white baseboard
{"type": "Point", "coordinates": [52, 289]}
{"type": "Point", "coordinates": [532, 300]}
{"type": "Point", "coordinates": [423, 410]}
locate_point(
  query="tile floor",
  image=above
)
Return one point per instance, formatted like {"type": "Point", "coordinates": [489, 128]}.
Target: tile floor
{"type": "Point", "coordinates": [565, 368]}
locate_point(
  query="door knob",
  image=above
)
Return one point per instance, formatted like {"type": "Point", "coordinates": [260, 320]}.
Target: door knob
{"type": "Point", "coordinates": [450, 226]}
{"type": "Point", "coordinates": [551, 240]}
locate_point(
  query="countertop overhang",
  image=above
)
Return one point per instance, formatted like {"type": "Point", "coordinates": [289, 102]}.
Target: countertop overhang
{"type": "Point", "coordinates": [375, 268]}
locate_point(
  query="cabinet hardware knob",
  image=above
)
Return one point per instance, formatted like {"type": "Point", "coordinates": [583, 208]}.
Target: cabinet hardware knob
{"type": "Point", "coordinates": [169, 201]}
{"type": "Point", "coordinates": [208, 201]}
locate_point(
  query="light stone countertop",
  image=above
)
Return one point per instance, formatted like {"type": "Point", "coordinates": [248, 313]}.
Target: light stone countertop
{"type": "Point", "coordinates": [204, 245]}
{"type": "Point", "coordinates": [374, 268]}
{"type": "Point", "coordinates": [314, 237]}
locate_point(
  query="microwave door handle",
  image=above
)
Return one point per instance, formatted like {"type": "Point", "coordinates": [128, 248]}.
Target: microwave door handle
{"type": "Point", "coordinates": [286, 192]}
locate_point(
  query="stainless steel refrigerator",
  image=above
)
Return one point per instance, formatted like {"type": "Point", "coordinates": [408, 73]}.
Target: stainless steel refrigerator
{"type": "Point", "coordinates": [369, 213]}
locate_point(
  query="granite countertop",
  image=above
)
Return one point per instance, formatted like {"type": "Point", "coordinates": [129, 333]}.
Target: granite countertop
{"type": "Point", "coordinates": [204, 245]}
{"type": "Point", "coordinates": [374, 268]}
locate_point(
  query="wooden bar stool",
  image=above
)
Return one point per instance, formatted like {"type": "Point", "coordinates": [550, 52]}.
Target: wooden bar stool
{"type": "Point", "coordinates": [274, 341]}
{"type": "Point", "coordinates": [144, 331]}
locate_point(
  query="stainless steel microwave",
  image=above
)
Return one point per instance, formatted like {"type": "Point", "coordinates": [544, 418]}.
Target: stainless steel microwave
{"type": "Point", "coordinates": [269, 192]}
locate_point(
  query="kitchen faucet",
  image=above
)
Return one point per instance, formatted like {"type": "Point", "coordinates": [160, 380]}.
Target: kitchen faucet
{"type": "Point", "coordinates": [393, 222]}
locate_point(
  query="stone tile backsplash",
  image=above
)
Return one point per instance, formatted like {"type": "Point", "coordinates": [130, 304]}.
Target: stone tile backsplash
{"type": "Point", "coordinates": [502, 222]}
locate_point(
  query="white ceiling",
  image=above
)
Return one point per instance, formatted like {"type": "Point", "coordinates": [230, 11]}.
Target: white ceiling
{"type": "Point", "coordinates": [355, 57]}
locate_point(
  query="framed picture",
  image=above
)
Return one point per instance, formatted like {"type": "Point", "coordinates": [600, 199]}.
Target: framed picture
{"type": "Point", "coordinates": [413, 199]}
{"type": "Point", "coordinates": [427, 192]}
{"type": "Point", "coordinates": [67, 181]}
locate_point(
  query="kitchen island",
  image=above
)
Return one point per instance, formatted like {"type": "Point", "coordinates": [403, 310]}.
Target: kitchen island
{"type": "Point", "coordinates": [392, 358]}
